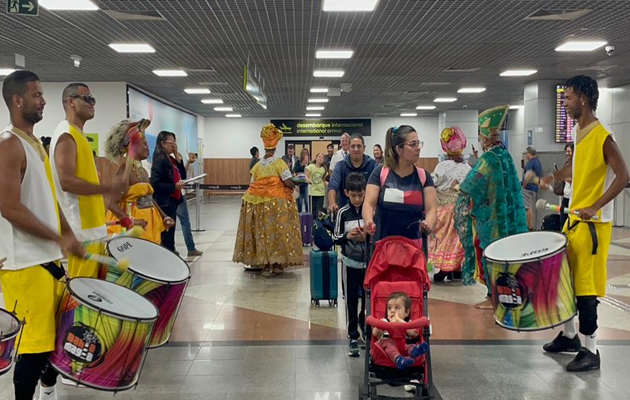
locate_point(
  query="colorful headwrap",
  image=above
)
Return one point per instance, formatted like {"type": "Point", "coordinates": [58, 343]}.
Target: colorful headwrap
{"type": "Point", "coordinates": [270, 136]}
{"type": "Point", "coordinates": [492, 119]}
{"type": "Point", "coordinates": [120, 136]}
{"type": "Point", "coordinates": [453, 140]}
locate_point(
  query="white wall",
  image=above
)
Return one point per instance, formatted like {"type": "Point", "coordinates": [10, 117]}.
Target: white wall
{"type": "Point", "coordinates": [233, 137]}
{"type": "Point", "coordinates": [517, 139]}
{"type": "Point", "coordinates": [111, 107]}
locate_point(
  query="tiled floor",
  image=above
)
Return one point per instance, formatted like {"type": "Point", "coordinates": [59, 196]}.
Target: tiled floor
{"type": "Point", "coordinates": [241, 336]}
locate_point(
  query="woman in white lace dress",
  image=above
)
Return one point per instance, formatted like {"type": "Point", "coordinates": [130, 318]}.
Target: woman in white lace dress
{"type": "Point", "coordinates": [446, 256]}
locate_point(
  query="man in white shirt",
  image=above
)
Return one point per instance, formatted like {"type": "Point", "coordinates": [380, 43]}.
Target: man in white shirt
{"type": "Point", "coordinates": [342, 153]}
{"type": "Point", "coordinates": [33, 232]}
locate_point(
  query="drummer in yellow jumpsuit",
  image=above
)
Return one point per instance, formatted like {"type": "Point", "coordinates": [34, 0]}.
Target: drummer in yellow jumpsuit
{"type": "Point", "coordinates": [599, 174]}
{"type": "Point", "coordinates": [32, 233]}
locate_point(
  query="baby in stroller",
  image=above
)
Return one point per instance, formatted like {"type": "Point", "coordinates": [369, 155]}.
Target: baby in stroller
{"type": "Point", "coordinates": [398, 310]}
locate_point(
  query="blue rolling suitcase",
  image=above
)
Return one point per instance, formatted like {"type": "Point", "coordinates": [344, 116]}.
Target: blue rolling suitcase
{"type": "Point", "coordinates": [323, 277]}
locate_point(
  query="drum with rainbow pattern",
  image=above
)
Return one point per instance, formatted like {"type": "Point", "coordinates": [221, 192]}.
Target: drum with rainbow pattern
{"type": "Point", "coordinates": [531, 282]}
{"type": "Point", "coordinates": [102, 334]}
{"type": "Point", "coordinates": [9, 330]}
{"type": "Point", "coordinates": [155, 273]}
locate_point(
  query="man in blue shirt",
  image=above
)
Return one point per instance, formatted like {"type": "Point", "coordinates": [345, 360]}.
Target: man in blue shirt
{"type": "Point", "coordinates": [529, 191]}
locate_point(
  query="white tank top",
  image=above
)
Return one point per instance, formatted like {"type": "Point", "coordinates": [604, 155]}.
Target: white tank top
{"type": "Point", "coordinates": [22, 249]}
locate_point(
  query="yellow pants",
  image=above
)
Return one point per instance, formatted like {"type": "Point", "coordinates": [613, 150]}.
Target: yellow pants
{"type": "Point", "coordinates": [82, 268]}
{"type": "Point", "coordinates": [36, 295]}
{"type": "Point", "coordinates": [589, 270]}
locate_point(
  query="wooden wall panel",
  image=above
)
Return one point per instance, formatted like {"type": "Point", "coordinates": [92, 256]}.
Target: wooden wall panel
{"type": "Point", "coordinates": [428, 163]}
{"type": "Point", "coordinates": [226, 171]}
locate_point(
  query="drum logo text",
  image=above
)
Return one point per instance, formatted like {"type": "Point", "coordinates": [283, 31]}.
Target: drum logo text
{"type": "Point", "coordinates": [82, 344]}
{"type": "Point", "coordinates": [534, 252]}
{"type": "Point", "coordinates": [97, 297]}
{"type": "Point", "coordinates": [124, 247]}
{"type": "Point", "coordinates": [510, 292]}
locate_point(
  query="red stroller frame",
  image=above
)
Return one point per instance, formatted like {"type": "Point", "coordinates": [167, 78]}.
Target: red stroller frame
{"type": "Point", "coordinates": [397, 265]}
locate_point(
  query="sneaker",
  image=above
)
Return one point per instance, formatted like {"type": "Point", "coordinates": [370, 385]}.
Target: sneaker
{"type": "Point", "coordinates": [195, 253]}
{"type": "Point", "coordinates": [585, 360]}
{"type": "Point", "coordinates": [563, 344]}
{"type": "Point", "coordinates": [419, 350]}
{"type": "Point", "coordinates": [404, 362]}
{"type": "Point", "coordinates": [353, 348]}
{"type": "Point", "coordinates": [278, 270]}
{"type": "Point", "coordinates": [411, 388]}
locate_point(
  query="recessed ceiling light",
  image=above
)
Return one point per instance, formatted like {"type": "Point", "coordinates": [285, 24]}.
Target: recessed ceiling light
{"type": "Point", "coordinates": [519, 107]}
{"type": "Point", "coordinates": [472, 90]}
{"type": "Point", "coordinates": [6, 71]}
{"type": "Point", "coordinates": [580, 46]}
{"type": "Point", "coordinates": [445, 100]}
{"type": "Point", "coordinates": [132, 47]}
{"type": "Point", "coordinates": [69, 5]}
{"type": "Point", "coordinates": [315, 108]}
{"type": "Point", "coordinates": [518, 72]}
{"type": "Point", "coordinates": [318, 100]}
{"type": "Point", "coordinates": [336, 54]}
{"type": "Point", "coordinates": [319, 90]}
{"type": "Point", "coordinates": [170, 72]}
{"type": "Point", "coordinates": [350, 5]}
{"type": "Point", "coordinates": [328, 73]}
{"type": "Point", "coordinates": [313, 115]}
{"type": "Point", "coordinates": [197, 91]}
{"type": "Point", "coordinates": [228, 109]}
{"type": "Point", "coordinates": [409, 114]}
{"type": "Point", "coordinates": [233, 115]}
{"type": "Point", "coordinates": [425, 108]}
{"type": "Point", "coordinates": [212, 101]}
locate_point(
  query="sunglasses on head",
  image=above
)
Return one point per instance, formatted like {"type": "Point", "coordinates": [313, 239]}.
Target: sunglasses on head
{"type": "Point", "coordinates": [88, 98]}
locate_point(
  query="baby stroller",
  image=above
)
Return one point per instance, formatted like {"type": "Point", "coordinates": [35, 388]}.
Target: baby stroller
{"type": "Point", "coordinates": [397, 265]}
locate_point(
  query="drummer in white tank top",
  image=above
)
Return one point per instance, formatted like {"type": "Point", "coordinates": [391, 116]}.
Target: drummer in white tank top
{"type": "Point", "coordinates": [30, 238]}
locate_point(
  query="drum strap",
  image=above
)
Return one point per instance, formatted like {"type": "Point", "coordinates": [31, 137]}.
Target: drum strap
{"type": "Point", "coordinates": [592, 230]}
{"type": "Point", "coordinates": [55, 270]}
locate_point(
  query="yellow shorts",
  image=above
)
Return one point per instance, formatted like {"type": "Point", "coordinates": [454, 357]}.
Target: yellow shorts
{"type": "Point", "coordinates": [36, 295]}
{"type": "Point", "coordinates": [589, 270]}
{"type": "Point", "coordinates": [82, 268]}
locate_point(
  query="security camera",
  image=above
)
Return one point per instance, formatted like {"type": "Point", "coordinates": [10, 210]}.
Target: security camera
{"type": "Point", "coordinates": [465, 107]}
{"type": "Point", "coordinates": [610, 50]}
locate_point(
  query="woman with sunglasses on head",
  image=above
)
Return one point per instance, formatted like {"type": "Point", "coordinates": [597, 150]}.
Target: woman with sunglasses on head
{"type": "Point", "coordinates": [167, 183]}
{"type": "Point", "coordinates": [400, 197]}
{"type": "Point", "coordinates": [490, 205]}
{"type": "Point", "coordinates": [447, 254]}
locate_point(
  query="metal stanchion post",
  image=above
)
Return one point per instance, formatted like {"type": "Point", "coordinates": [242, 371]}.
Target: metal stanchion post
{"type": "Point", "coordinates": [198, 208]}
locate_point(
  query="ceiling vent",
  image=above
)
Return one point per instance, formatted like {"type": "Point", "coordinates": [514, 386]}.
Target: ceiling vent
{"type": "Point", "coordinates": [135, 15]}
{"type": "Point", "coordinates": [601, 68]}
{"type": "Point", "coordinates": [214, 83]}
{"type": "Point", "coordinates": [210, 69]}
{"type": "Point", "coordinates": [557, 15]}
{"type": "Point", "coordinates": [435, 83]}
{"type": "Point", "coordinates": [453, 69]}
{"type": "Point", "coordinates": [418, 92]}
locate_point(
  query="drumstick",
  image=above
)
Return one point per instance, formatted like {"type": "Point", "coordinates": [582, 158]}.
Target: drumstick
{"type": "Point", "coordinates": [543, 205]}
{"type": "Point", "coordinates": [110, 261]}
{"type": "Point", "coordinates": [134, 232]}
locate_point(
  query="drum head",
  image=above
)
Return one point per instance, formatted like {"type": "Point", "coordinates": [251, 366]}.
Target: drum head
{"type": "Point", "coordinates": [149, 260]}
{"type": "Point", "coordinates": [112, 299]}
{"type": "Point", "coordinates": [525, 247]}
{"type": "Point", "coordinates": [9, 325]}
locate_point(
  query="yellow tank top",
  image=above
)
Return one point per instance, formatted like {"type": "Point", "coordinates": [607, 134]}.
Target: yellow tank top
{"type": "Point", "coordinates": [591, 175]}
{"type": "Point", "coordinates": [85, 214]}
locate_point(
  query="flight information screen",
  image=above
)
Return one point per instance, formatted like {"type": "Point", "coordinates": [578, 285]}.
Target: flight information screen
{"type": "Point", "coordinates": [564, 123]}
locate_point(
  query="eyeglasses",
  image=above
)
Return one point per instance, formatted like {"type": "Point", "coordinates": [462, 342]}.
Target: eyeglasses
{"type": "Point", "coordinates": [168, 142]}
{"type": "Point", "coordinates": [415, 144]}
{"type": "Point", "coordinates": [88, 98]}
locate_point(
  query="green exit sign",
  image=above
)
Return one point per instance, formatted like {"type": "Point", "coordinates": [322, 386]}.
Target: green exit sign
{"type": "Point", "coordinates": [23, 7]}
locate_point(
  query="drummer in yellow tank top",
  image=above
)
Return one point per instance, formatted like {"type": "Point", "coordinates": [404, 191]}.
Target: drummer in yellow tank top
{"type": "Point", "coordinates": [80, 194]}
{"type": "Point", "coordinates": [599, 174]}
